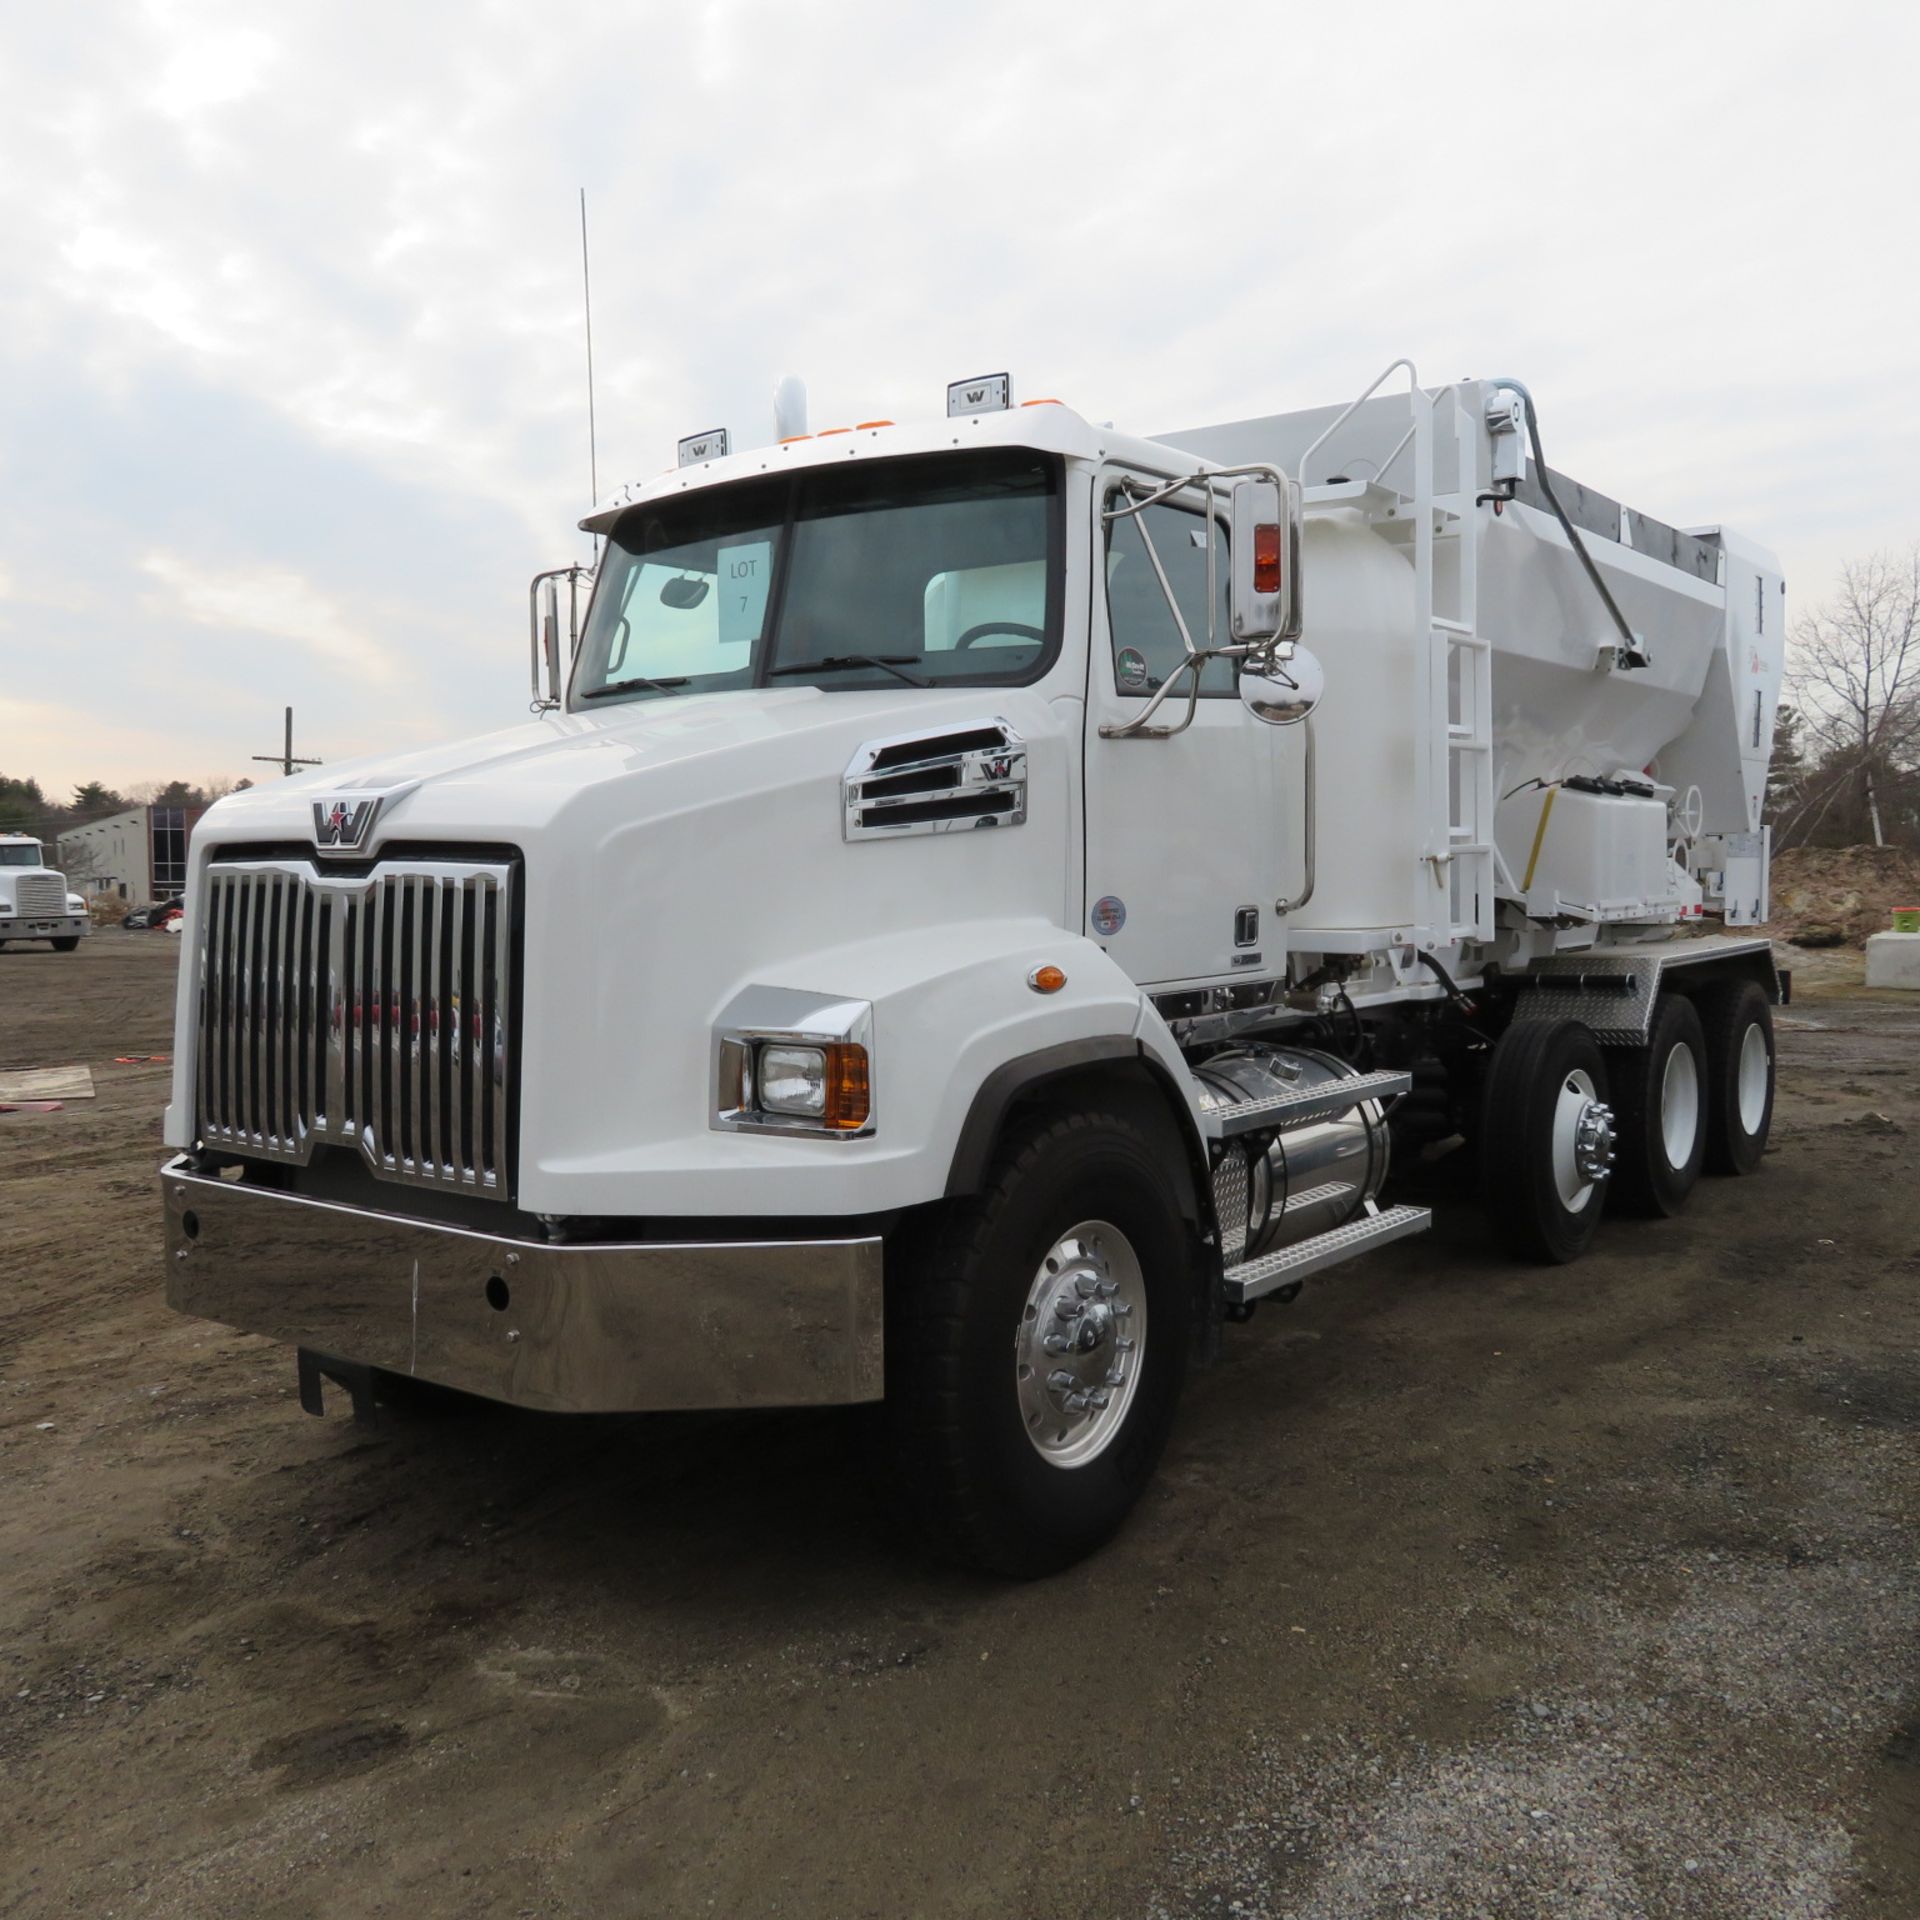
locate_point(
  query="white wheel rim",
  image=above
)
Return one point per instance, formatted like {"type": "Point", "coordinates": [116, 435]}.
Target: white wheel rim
{"type": "Point", "coordinates": [1755, 1065]}
{"type": "Point", "coordinates": [1679, 1106]}
{"type": "Point", "coordinates": [1080, 1344]}
{"type": "Point", "coordinates": [1577, 1094]}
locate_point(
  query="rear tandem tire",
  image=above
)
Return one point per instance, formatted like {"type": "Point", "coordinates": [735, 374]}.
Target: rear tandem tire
{"type": "Point", "coordinates": [1543, 1070]}
{"type": "Point", "coordinates": [1661, 1106]}
{"type": "Point", "coordinates": [1737, 1020]}
{"type": "Point", "coordinates": [978, 1461]}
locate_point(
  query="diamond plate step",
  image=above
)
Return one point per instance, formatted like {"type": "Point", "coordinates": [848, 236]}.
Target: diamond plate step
{"type": "Point", "coordinates": [1304, 1257]}
{"type": "Point", "coordinates": [1303, 1108]}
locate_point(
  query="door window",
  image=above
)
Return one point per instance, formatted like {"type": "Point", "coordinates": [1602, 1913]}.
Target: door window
{"type": "Point", "coordinates": [1146, 643]}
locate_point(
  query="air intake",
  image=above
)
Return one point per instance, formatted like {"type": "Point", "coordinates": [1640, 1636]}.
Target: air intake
{"type": "Point", "coordinates": [969, 776]}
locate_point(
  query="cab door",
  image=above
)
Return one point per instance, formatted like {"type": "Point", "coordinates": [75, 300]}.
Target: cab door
{"type": "Point", "coordinates": [1185, 843]}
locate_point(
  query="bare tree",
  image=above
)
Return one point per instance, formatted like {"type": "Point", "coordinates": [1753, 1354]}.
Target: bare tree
{"type": "Point", "coordinates": [1854, 672]}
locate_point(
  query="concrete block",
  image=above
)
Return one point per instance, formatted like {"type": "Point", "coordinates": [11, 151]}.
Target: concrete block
{"type": "Point", "coordinates": [1893, 960]}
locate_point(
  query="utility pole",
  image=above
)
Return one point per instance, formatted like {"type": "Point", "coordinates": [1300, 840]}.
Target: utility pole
{"type": "Point", "coordinates": [285, 760]}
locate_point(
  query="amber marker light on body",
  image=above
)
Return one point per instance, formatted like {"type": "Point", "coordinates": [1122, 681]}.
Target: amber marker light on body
{"type": "Point", "coordinates": [1047, 979]}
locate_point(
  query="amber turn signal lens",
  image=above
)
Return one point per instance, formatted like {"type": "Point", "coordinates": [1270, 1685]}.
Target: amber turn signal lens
{"type": "Point", "coordinates": [1047, 979]}
{"type": "Point", "coordinates": [1266, 558]}
{"type": "Point", "coordinates": [849, 1099]}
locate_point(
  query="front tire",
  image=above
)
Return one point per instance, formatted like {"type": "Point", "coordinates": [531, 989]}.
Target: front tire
{"type": "Point", "coordinates": [1660, 1100]}
{"type": "Point", "coordinates": [1037, 1344]}
{"type": "Point", "coordinates": [1546, 1140]}
{"type": "Point", "coordinates": [68, 944]}
{"type": "Point", "coordinates": [1738, 1023]}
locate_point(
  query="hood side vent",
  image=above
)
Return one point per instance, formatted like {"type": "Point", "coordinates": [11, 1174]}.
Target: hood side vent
{"type": "Point", "coordinates": [966, 777]}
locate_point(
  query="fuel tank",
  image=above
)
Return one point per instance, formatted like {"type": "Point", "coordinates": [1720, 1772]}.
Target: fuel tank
{"type": "Point", "coordinates": [1313, 1178]}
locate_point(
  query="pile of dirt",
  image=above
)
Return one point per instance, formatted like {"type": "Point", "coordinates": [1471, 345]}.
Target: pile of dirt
{"type": "Point", "coordinates": [1837, 896]}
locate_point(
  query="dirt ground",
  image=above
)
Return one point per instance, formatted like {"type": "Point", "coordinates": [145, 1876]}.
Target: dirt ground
{"type": "Point", "coordinates": [1464, 1589]}
{"type": "Point", "coordinates": [1846, 891]}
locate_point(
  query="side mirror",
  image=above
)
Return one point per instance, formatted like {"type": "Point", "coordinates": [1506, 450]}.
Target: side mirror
{"type": "Point", "coordinates": [1263, 599]}
{"type": "Point", "coordinates": [543, 620]}
{"type": "Point", "coordinates": [550, 636]}
{"type": "Point", "coordinates": [1286, 692]}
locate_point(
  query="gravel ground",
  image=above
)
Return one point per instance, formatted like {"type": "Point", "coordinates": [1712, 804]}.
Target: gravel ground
{"type": "Point", "coordinates": [1464, 1589]}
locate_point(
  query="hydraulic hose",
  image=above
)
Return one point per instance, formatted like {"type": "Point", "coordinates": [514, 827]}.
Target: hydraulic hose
{"type": "Point", "coordinates": [1634, 655]}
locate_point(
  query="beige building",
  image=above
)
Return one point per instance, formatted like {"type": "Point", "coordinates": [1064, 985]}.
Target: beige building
{"type": "Point", "coordinates": [136, 856]}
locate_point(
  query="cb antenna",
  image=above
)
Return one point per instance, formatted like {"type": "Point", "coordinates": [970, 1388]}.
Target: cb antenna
{"type": "Point", "coordinates": [586, 291]}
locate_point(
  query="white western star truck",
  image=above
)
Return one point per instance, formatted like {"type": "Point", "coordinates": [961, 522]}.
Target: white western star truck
{"type": "Point", "coordinates": [34, 901]}
{"type": "Point", "coordinates": [981, 906]}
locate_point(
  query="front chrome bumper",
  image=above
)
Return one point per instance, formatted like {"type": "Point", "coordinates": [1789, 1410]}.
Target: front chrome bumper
{"type": "Point", "coordinates": [66, 926]}
{"type": "Point", "coordinates": [603, 1328]}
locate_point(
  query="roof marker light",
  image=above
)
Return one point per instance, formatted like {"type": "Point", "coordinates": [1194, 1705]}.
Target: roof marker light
{"type": "Point", "coordinates": [1043, 403]}
{"type": "Point", "coordinates": [824, 431]}
{"type": "Point", "coordinates": [990, 393]}
{"type": "Point", "coordinates": [865, 426]}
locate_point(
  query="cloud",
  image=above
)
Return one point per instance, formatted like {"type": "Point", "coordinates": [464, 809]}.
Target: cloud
{"type": "Point", "coordinates": [276, 602]}
{"type": "Point", "coordinates": [312, 271]}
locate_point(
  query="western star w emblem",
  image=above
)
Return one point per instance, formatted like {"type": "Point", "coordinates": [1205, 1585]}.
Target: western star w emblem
{"type": "Point", "coordinates": [342, 826]}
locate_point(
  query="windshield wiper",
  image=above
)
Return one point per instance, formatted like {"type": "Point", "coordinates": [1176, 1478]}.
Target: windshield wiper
{"type": "Point", "coordinates": [833, 662]}
{"type": "Point", "coordinates": [635, 683]}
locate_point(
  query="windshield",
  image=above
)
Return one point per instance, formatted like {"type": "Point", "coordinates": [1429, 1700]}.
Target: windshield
{"type": "Point", "coordinates": [19, 856]}
{"type": "Point", "coordinates": [939, 572]}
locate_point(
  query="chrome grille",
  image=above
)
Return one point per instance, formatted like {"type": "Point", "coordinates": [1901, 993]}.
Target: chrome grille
{"type": "Point", "coordinates": [371, 1012]}
{"type": "Point", "coordinates": [40, 896]}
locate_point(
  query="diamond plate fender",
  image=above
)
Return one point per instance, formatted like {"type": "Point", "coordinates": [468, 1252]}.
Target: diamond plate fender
{"type": "Point", "coordinates": [1613, 991]}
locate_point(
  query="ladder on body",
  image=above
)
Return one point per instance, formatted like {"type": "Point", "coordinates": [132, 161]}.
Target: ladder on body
{"type": "Point", "coordinates": [1453, 889]}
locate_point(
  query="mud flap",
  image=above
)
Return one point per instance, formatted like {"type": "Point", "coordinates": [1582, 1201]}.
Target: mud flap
{"type": "Point", "coordinates": [350, 1374]}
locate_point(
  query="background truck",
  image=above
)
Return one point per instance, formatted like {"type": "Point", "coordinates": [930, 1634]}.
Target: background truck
{"type": "Point", "coordinates": [981, 906]}
{"type": "Point", "coordinates": [34, 901]}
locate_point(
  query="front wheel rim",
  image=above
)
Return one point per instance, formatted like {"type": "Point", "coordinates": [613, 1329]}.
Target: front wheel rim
{"type": "Point", "coordinates": [1680, 1107]}
{"type": "Point", "coordinates": [1754, 1062]}
{"type": "Point", "coordinates": [1081, 1343]}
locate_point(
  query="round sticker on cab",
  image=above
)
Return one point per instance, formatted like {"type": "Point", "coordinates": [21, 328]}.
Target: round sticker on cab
{"type": "Point", "coordinates": [1109, 915]}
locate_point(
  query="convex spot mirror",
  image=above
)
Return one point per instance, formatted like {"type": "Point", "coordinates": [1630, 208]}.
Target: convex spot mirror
{"type": "Point", "coordinates": [1286, 692]}
{"type": "Point", "coordinates": [1263, 598]}
{"type": "Point", "coordinates": [684, 591]}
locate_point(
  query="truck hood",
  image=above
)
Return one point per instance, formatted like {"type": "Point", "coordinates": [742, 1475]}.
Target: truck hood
{"type": "Point", "coordinates": [522, 779]}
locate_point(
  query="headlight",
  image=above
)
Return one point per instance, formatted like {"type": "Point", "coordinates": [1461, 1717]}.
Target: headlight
{"type": "Point", "coordinates": [793, 1080]}
{"type": "Point", "coordinates": [75, 904]}
{"type": "Point", "coordinates": [788, 1062]}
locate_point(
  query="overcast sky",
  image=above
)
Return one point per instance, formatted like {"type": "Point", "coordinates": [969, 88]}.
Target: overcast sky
{"type": "Point", "coordinates": [291, 387]}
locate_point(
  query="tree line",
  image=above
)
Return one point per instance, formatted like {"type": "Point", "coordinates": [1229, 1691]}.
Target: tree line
{"type": "Point", "coordinates": [26, 808]}
{"type": "Point", "coordinates": [1846, 741]}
